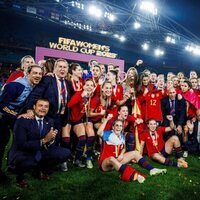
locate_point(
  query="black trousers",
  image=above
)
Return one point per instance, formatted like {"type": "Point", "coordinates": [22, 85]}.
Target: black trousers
{"type": "Point", "coordinates": [26, 161]}
{"type": "Point", "coordinates": [6, 126]}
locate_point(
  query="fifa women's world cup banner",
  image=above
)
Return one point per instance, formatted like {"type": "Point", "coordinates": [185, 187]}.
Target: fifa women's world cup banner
{"type": "Point", "coordinates": [67, 44]}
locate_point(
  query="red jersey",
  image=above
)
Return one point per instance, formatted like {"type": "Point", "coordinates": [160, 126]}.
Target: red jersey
{"type": "Point", "coordinates": [118, 92]}
{"type": "Point", "coordinates": [96, 105]}
{"type": "Point", "coordinates": [153, 106]}
{"type": "Point", "coordinates": [77, 85]}
{"type": "Point", "coordinates": [112, 145]}
{"type": "Point", "coordinates": [154, 143]}
{"type": "Point", "coordinates": [78, 106]}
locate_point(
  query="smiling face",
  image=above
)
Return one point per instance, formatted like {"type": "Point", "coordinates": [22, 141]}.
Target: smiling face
{"type": "Point", "coordinates": [152, 125]}
{"type": "Point", "coordinates": [26, 63]}
{"type": "Point", "coordinates": [117, 127]}
{"type": "Point", "coordinates": [61, 69]}
{"type": "Point", "coordinates": [107, 89]}
{"type": "Point", "coordinates": [89, 86]}
{"type": "Point", "coordinates": [35, 75]}
{"type": "Point", "coordinates": [41, 108]}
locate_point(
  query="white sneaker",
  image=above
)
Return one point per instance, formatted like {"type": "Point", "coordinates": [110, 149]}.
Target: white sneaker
{"type": "Point", "coordinates": [140, 178]}
{"type": "Point", "coordinates": [185, 154]}
{"type": "Point", "coordinates": [89, 164]}
{"type": "Point", "coordinates": [64, 167]}
{"type": "Point", "coordinates": [156, 171]}
{"type": "Point", "coordinates": [79, 164]}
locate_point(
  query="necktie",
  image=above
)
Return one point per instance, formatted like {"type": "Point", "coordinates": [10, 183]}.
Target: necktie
{"type": "Point", "coordinates": [172, 109]}
{"type": "Point", "coordinates": [38, 155]}
{"type": "Point", "coordinates": [40, 126]}
{"type": "Point", "coordinates": [62, 92]}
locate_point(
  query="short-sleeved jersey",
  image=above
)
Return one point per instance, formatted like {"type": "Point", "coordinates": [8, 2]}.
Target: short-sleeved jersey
{"type": "Point", "coordinates": [96, 106]}
{"type": "Point", "coordinates": [112, 145]}
{"type": "Point", "coordinates": [78, 107]}
{"type": "Point", "coordinates": [153, 106]}
{"type": "Point", "coordinates": [155, 143]}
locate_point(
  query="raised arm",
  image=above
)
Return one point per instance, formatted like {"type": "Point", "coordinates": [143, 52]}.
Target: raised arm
{"type": "Point", "coordinates": [103, 125]}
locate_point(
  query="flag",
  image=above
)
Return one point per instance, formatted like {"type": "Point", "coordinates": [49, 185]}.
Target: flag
{"type": "Point", "coordinates": [136, 112]}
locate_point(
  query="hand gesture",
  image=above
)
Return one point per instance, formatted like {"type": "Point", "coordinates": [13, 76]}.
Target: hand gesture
{"type": "Point", "coordinates": [139, 62]}
{"type": "Point", "coordinates": [127, 95]}
{"type": "Point", "coordinates": [85, 94]}
{"type": "Point", "coordinates": [51, 135]}
{"type": "Point", "coordinates": [179, 96]}
{"type": "Point", "coordinates": [110, 116]}
{"type": "Point", "coordinates": [103, 112]}
{"type": "Point", "coordinates": [190, 125]}
{"type": "Point", "coordinates": [179, 129]}
{"type": "Point", "coordinates": [28, 115]}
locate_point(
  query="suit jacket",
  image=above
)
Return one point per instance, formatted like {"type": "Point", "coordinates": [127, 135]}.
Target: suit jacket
{"type": "Point", "coordinates": [180, 111]}
{"type": "Point", "coordinates": [48, 89]}
{"type": "Point", "coordinates": [193, 136]}
{"type": "Point", "coordinates": [27, 137]}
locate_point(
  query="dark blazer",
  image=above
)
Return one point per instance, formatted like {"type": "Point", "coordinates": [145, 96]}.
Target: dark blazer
{"type": "Point", "coordinates": [193, 136]}
{"type": "Point", "coordinates": [48, 89]}
{"type": "Point", "coordinates": [180, 111]}
{"type": "Point", "coordinates": [27, 137]}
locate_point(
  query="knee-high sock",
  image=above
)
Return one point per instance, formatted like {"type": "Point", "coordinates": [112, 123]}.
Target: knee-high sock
{"type": "Point", "coordinates": [128, 173]}
{"type": "Point", "coordinates": [144, 163]}
{"type": "Point", "coordinates": [179, 152]}
{"type": "Point", "coordinates": [169, 162]}
{"type": "Point", "coordinates": [80, 146]}
{"type": "Point", "coordinates": [90, 144]}
{"type": "Point", "coordinates": [130, 142]}
{"type": "Point", "coordinates": [66, 142]}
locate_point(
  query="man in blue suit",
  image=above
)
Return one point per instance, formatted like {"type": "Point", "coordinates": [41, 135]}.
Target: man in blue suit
{"type": "Point", "coordinates": [35, 144]}
{"type": "Point", "coordinates": [58, 91]}
{"type": "Point", "coordinates": [171, 105]}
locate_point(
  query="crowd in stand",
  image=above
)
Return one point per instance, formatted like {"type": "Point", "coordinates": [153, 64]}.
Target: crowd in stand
{"type": "Point", "coordinates": [58, 113]}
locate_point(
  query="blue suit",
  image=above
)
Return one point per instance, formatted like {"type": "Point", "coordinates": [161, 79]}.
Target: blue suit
{"type": "Point", "coordinates": [27, 152]}
{"type": "Point", "coordinates": [48, 89]}
{"type": "Point", "coordinates": [179, 115]}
